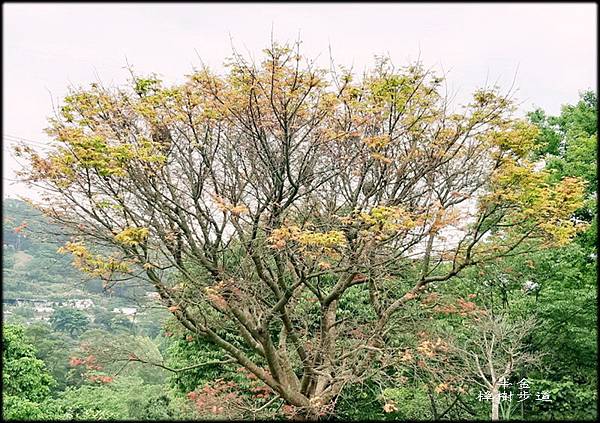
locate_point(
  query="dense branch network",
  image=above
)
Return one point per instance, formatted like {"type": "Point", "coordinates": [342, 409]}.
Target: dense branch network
{"type": "Point", "coordinates": [256, 202]}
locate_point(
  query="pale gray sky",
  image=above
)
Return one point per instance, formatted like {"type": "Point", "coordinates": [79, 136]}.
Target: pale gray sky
{"type": "Point", "coordinates": [550, 47]}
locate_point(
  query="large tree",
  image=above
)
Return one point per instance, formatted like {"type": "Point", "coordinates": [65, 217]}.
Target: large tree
{"type": "Point", "coordinates": [69, 320]}
{"type": "Point", "coordinates": [258, 201]}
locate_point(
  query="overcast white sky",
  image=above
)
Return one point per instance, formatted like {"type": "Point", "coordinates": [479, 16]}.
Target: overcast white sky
{"type": "Point", "coordinates": [47, 47]}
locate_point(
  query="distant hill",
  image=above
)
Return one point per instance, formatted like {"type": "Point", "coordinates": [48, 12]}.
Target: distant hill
{"type": "Point", "coordinates": [32, 267]}
{"type": "Point", "coordinates": [37, 279]}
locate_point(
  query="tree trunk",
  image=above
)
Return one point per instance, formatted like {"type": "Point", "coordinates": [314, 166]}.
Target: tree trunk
{"type": "Point", "coordinates": [495, 403]}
